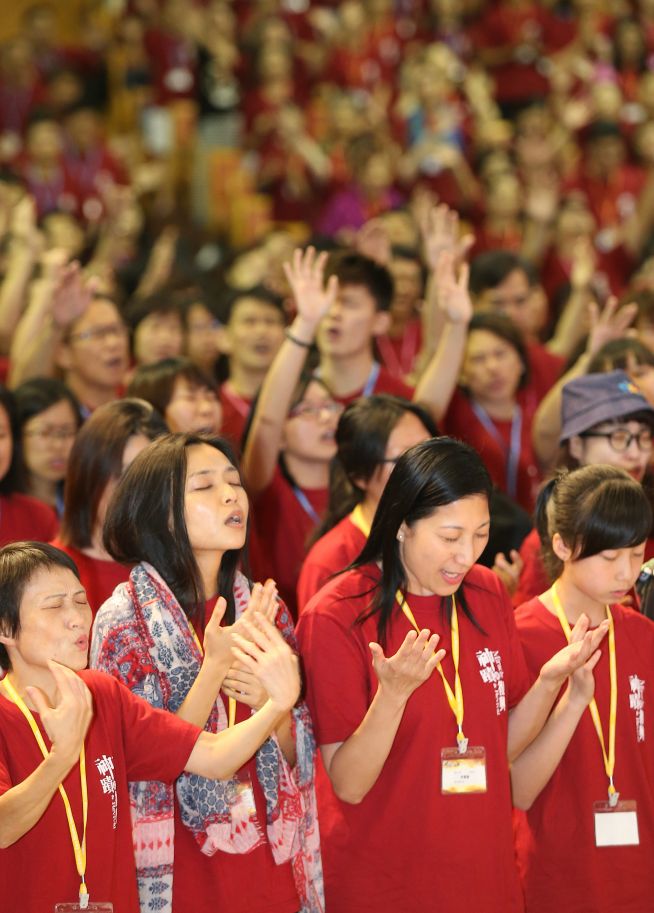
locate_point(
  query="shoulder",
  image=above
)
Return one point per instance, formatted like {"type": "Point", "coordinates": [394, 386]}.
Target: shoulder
{"type": "Point", "coordinates": [638, 626]}
{"type": "Point", "coordinates": [481, 580]}
{"type": "Point", "coordinates": [343, 598]}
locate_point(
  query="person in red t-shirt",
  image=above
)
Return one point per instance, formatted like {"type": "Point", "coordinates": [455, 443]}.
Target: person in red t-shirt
{"type": "Point", "coordinates": [290, 442]}
{"type": "Point", "coordinates": [104, 448]}
{"type": "Point", "coordinates": [372, 433]}
{"type": "Point", "coordinates": [598, 519]}
{"type": "Point", "coordinates": [394, 744]}
{"type": "Point", "coordinates": [253, 331]}
{"type": "Point", "coordinates": [489, 409]}
{"type": "Point", "coordinates": [21, 516]}
{"type": "Point", "coordinates": [180, 515]}
{"type": "Point", "coordinates": [61, 727]}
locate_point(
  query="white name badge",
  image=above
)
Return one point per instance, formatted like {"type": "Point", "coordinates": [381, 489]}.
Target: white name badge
{"type": "Point", "coordinates": [89, 908]}
{"type": "Point", "coordinates": [617, 825]}
{"type": "Point", "coordinates": [243, 807]}
{"type": "Point", "coordinates": [463, 772]}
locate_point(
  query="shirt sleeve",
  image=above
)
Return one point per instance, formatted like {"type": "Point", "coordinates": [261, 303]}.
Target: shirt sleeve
{"type": "Point", "coordinates": [157, 744]}
{"type": "Point", "coordinates": [518, 679]}
{"type": "Point", "coordinates": [337, 674]}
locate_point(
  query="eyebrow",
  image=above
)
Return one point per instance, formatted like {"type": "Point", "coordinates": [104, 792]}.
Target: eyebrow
{"type": "Point", "coordinates": [63, 595]}
{"type": "Point", "coordinates": [206, 472]}
{"type": "Point", "coordinates": [455, 526]}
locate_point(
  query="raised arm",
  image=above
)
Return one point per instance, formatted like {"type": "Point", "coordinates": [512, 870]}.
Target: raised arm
{"type": "Point", "coordinates": [305, 275]}
{"type": "Point", "coordinates": [66, 724]}
{"type": "Point", "coordinates": [25, 245]}
{"type": "Point", "coordinates": [353, 766]}
{"type": "Point", "coordinates": [439, 379]}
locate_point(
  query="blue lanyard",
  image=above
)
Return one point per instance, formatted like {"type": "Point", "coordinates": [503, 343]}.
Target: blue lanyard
{"type": "Point", "coordinates": [369, 387]}
{"type": "Point", "coordinates": [513, 455]}
{"type": "Point", "coordinates": [306, 504]}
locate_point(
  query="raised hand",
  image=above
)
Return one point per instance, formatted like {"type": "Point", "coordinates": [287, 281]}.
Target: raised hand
{"type": "Point", "coordinates": [582, 649]}
{"type": "Point", "coordinates": [244, 686]}
{"type": "Point", "coordinates": [452, 291]}
{"type": "Point", "coordinates": [217, 640]}
{"type": "Point", "coordinates": [608, 323]}
{"type": "Point", "coordinates": [264, 652]}
{"type": "Point", "coordinates": [71, 295]}
{"type": "Point", "coordinates": [305, 274]}
{"type": "Point", "coordinates": [439, 228]}
{"type": "Point", "coordinates": [399, 675]}
{"type": "Point", "coordinates": [509, 569]}
{"type": "Point", "coordinates": [67, 722]}
{"type": "Point", "coordinates": [239, 683]}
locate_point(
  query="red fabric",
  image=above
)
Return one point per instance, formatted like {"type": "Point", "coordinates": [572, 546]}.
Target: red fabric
{"type": "Point", "coordinates": [235, 414]}
{"type": "Point", "coordinates": [562, 869]}
{"type": "Point", "coordinates": [398, 354]}
{"type": "Point", "coordinates": [100, 578]}
{"type": "Point", "coordinates": [331, 553]}
{"type": "Point", "coordinates": [57, 191]}
{"type": "Point", "coordinates": [461, 422]}
{"type": "Point", "coordinates": [143, 744]}
{"type": "Point", "coordinates": [171, 56]}
{"type": "Point", "coordinates": [612, 198]}
{"type": "Point", "coordinates": [204, 884]}
{"type": "Point", "coordinates": [386, 383]}
{"type": "Point", "coordinates": [405, 846]}
{"type": "Point", "coordinates": [23, 517]}
{"type": "Point", "coordinates": [545, 368]}
{"type": "Point", "coordinates": [280, 530]}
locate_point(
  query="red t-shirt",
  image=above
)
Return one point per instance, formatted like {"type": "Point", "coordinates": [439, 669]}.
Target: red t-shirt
{"type": "Point", "coordinates": [236, 410]}
{"type": "Point", "coordinates": [23, 517]}
{"type": "Point", "coordinates": [127, 740]}
{"type": "Point", "coordinates": [99, 577]}
{"type": "Point", "coordinates": [407, 847]}
{"type": "Point", "coordinates": [240, 883]}
{"type": "Point", "coordinates": [461, 422]}
{"type": "Point", "coordinates": [398, 354]}
{"type": "Point", "coordinates": [280, 530]}
{"type": "Point", "coordinates": [385, 383]}
{"type": "Point", "coordinates": [545, 368]}
{"type": "Point", "coordinates": [561, 867]}
{"type": "Point", "coordinates": [331, 553]}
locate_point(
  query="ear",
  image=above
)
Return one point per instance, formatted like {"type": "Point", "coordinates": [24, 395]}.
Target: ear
{"type": "Point", "coordinates": [576, 447]}
{"type": "Point", "coordinates": [402, 532]}
{"type": "Point", "coordinates": [381, 323]}
{"type": "Point", "coordinates": [6, 640]}
{"type": "Point", "coordinates": [560, 549]}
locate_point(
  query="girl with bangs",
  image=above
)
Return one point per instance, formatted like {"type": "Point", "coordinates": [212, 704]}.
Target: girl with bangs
{"type": "Point", "coordinates": [587, 839]}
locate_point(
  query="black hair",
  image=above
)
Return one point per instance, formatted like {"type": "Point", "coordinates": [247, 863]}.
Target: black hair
{"type": "Point", "coordinates": [146, 521]}
{"type": "Point", "coordinates": [614, 355]}
{"type": "Point", "coordinates": [19, 561]}
{"type": "Point", "coordinates": [162, 303]}
{"type": "Point", "coordinates": [592, 508]}
{"type": "Point", "coordinates": [259, 292]}
{"type": "Point", "coordinates": [14, 478]}
{"type": "Point", "coordinates": [490, 269]}
{"type": "Point", "coordinates": [361, 437]}
{"type": "Point", "coordinates": [429, 475]}
{"type": "Point", "coordinates": [504, 328]}
{"type": "Point", "coordinates": [354, 269]}
{"type": "Point", "coordinates": [40, 393]}
{"type": "Point", "coordinates": [155, 383]}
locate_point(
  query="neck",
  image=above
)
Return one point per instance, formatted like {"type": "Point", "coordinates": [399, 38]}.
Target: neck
{"type": "Point", "coordinates": [575, 602]}
{"type": "Point", "coordinates": [399, 323]}
{"type": "Point", "coordinates": [43, 490]}
{"type": "Point", "coordinates": [502, 410]}
{"type": "Point", "coordinates": [307, 473]}
{"type": "Point", "coordinates": [244, 381]}
{"type": "Point", "coordinates": [368, 507]}
{"type": "Point", "coordinates": [88, 394]}
{"type": "Point", "coordinates": [23, 675]}
{"type": "Point", "coordinates": [346, 375]}
{"type": "Point", "coordinates": [209, 565]}
{"type": "Point", "coordinates": [96, 549]}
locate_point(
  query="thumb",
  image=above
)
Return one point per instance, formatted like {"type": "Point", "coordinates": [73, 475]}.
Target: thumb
{"type": "Point", "coordinates": [219, 610]}
{"type": "Point", "coordinates": [377, 653]}
{"type": "Point", "coordinates": [38, 698]}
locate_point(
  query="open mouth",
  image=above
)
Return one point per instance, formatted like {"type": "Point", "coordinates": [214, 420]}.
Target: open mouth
{"type": "Point", "coordinates": [235, 519]}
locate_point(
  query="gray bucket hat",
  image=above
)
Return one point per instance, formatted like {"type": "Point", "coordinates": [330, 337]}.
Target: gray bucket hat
{"type": "Point", "coordinates": [596, 398]}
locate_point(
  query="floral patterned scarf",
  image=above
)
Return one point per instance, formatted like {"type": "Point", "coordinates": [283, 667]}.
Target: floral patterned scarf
{"type": "Point", "coordinates": [142, 637]}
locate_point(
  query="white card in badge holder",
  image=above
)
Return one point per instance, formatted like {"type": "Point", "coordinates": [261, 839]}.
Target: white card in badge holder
{"type": "Point", "coordinates": [616, 825]}
{"type": "Point", "coordinates": [91, 907]}
{"type": "Point", "coordinates": [243, 806]}
{"type": "Point", "coordinates": [463, 772]}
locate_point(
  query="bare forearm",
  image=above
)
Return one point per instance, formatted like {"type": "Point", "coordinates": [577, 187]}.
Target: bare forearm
{"type": "Point", "coordinates": [546, 429]}
{"type": "Point", "coordinates": [532, 770]}
{"type": "Point", "coordinates": [356, 764]}
{"type": "Point", "coordinates": [571, 326]}
{"type": "Point", "coordinates": [219, 755]}
{"type": "Point", "coordinates": [22, 806]}
{"type": "Point", "coordinates": [13, 293]}
{"type": "Point", "coordinates": [528, 718]}
{"type": "Point", "coordinates": [439, 379]}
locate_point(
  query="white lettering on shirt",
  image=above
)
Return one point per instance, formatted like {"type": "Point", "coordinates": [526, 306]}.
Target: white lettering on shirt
{"type": "Point", "coordinates": [637, 704]}
{"type": "Point", "coordinates": [491, 672]}
{"type": "Point", "coordinates": [105, 766]}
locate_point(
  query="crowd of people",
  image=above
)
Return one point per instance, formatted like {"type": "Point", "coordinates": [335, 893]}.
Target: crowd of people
{"type": "Point", "coordinates": [326, 442]}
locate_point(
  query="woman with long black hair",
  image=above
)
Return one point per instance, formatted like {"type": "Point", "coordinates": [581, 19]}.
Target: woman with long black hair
{"type": "Point", "coordinates": [415, 803]}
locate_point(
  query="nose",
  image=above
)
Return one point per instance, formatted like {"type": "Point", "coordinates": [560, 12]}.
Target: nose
{"type": "Point", "coordinates": [465, 553]}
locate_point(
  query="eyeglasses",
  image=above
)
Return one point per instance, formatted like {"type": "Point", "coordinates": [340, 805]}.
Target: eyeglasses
{"type": "Point", "coordinates": [99, 334]}
{"type": "Point", "coordinates": [620, 439]}
{"type": "Point", "coordinates": [52, 433]}
{"type": "Point", "coordinates": [315, 410]}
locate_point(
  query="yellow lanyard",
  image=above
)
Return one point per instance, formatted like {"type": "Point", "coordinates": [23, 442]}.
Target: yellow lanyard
{"type": "Point", "coordinates": [79, 849]}
{"type": "Point", "coordinates": [357, 518]}
{"type": "Point", "coordinates": [609, 759]}
{"type": "Point", "coordinates": [231, 712]}
{"type": "Point", "coordinates": [454, 698]}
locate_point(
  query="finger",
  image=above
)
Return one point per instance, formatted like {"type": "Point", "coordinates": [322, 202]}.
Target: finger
{"type": "Point", "coordinates": [268, 606]}
{"type": "Point", "coordinates": [421, 642]}
{"type": "Point", "coordinates": [254, 600]}
{"type": "Point", "coordinates": [218, 611]}
{"type": "Point", "coordinates": [246, 647]}
{"type": "Point", "coordinates": [581, 627]}
{"type": "Point", "coordinates": [245, 658]}
{"type": "Point", "coordinates": [63, 676]}
{"type": "Point", "coordinates": [593, 661]}
{"type": "Point", "coordinates": [377, 652]}
{"type": "Point", "coordinates": [407, 644]}
{"type": "Point", "coordinates": [38, 698]}
{"type": "Point", "coordinates": [434, 660]}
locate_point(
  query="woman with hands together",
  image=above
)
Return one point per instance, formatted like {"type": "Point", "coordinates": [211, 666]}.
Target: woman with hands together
{"type": "Point", "coordinates": [420, 697]}
{"type": "Point", "coordinates": [175, 635]}
{"type": "Point", "coordinates": [591, 768]}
